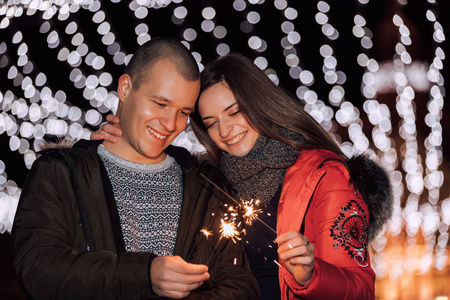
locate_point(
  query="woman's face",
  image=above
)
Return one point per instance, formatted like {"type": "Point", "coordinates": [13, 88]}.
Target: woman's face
{"type": "Point", "coordinates": [224, 121]}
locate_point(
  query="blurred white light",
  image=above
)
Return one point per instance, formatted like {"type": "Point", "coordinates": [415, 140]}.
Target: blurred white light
{"type": "Point", "coordinates": [82, 49]}
{"type": "Point", "coordinates": [105, 79]}
{"type": "Point", "coordinates": [52, 37]}
{"type": "Point", "coordinates": [4, 23]}
{"type": "Point", "coordinates": [71, 28]}
{"type": "Point", "coordinates": [307, 78]}
{"type": "Point", "coordinates": [74, 113]}
{"type": "Point", "coordinates": [330, 62]}
{"type": "Point", "coordinates": [98, 17]}
{"type": "Point", "coordinates": [223, 49]}
{"type": "Point", "coordinates": [397, 20]}
{"type": "Point", "coordinates": [12, 73]}
{"type": "Point", "coordinates": [91, 81]}
{"type": "Point", "coordinates": [141, 28]}
{"type": "Point", "coordinates": [280, 4]}
{"type": "Point", "coordinates": [239, 5]}
{"type": "Point", "coordinates": [323, 6]}
{"type": "Point", "coordinates": [293, 37]}
{"type": "Point", "coordinates": [45, 27]}
{"type": "Point", "coordinates": [292, 60]}
{"type": "Point", "coordinates": [109, 38]}
{"type": "Point", "coordinates": [254, 42]}
{"type": "Point", "coordinates": [220, 32]}
{"type": "Point", "coordinates": [41, 79]}
{"type": "Point", "coordinates": [321, 18]}
{"type": "Point", "coordinates": [359, 20]}
{"type": "Point", "coordinates": [261, 62]}
{"type": "Point", "coordinates": [119, 58]}
{"type": "Point", "coordinates": [77, 39]}
{"type": "Point", "coordinates": [17, 38]}
{"type": "Point", "coordinates": [74, 58]}
{"type": "Point", "coordinates": [180, 12]}
{"type": "Point", "coordinates": [14, 143]}
{"type": "Point", "coordinates": [103, 28]}
{"type": "Point", "coordinates": [93, 117]}
{"type": "Point", "coordinates": [326, 50]}
{"type": "Point", "coordinates": [208, 13]}
{"type": "Point", "coordinates": [253, 17]}
{"type": "Point", "coordinates": [287, 26]}
{"type": "Point", "coordinates": [141, 12]}
{"type": "Point", "coordinates": [290, 13]}
{"type": "Point", "coordinates": [190, 34]}
{"type": "Point", "coordinates": [207, 25]}
{"type": "Point", "coordinates": [358, 31]}
{"type": "Point", "coordinates": [98, 63]}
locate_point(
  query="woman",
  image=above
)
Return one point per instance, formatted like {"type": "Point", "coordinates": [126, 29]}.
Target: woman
{"type": "Point", "coordinates": [325, 207]}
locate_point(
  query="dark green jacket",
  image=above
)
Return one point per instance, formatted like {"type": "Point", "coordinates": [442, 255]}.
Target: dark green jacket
{"type": "Point", "coordinates": [68, 242]}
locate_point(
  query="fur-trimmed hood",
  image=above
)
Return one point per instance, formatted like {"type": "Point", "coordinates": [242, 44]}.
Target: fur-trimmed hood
{"type": "Point", "coordinates": [63, 143]}
{"type": "Point", "coordinates": [373, 183]}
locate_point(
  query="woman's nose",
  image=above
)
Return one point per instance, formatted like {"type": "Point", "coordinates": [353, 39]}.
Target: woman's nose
{"type": "Point", "coordinates": [225, 129]}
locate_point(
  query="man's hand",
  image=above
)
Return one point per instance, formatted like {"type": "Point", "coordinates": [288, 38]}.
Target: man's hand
{"type": "Point", "coordinates": [109, 131]}
{"type": "Point", "coordinates": [172, 277]}
{"type": "Point", "coordinates": [297, 254]}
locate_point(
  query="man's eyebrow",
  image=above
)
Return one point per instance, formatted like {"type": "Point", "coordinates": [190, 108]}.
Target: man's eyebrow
{"type": "Point", "coordinates": [164, 99]}
{"type": "Point", "coordinates": [227, 108]}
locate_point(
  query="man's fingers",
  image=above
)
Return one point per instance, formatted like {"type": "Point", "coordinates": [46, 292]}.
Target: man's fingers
{"type": "Point", "coordinates": [110, 128]}
{"type": "Point", "coordinates": [96, 136]}
{"type": "Point", "coordinates": [182, 278]}
{"type": "Point", "coordinates": [180, 266]}
{"type": "Point", "coordinates": [112, 118]}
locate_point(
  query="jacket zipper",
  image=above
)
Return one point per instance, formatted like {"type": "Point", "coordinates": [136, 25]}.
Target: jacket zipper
{"type": "Point", "coordinates": [287, 293]}
{"type": "Point", "coordinates": [83, 218]}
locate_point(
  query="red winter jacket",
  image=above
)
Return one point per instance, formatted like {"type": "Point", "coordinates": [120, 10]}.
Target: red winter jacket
{"type": "Point", "coordinates": [336, 222]}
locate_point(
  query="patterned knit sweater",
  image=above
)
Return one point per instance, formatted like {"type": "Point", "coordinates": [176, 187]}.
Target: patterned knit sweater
{"type": "Point", "coordinates": [148, 199]}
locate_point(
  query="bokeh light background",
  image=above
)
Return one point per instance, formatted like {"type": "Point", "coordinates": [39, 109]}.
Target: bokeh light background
{"type": "Point", "coordinates": [372, 72]}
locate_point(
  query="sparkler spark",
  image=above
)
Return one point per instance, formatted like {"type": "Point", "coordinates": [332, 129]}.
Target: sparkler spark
{"type": "Point", "coordinates": [206, 232]}
{"type": "Point", "coordinates": [250, 212]}
{"type": "Point", "coordinates": [229, 230]}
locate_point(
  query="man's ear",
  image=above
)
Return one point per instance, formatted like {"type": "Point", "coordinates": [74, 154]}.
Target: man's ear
{"type": "Point", "coordinates": [125, 86]}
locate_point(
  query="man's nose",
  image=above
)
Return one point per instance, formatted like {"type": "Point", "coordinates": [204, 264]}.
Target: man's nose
{"type": "Point", "coordinates": [169, 120]}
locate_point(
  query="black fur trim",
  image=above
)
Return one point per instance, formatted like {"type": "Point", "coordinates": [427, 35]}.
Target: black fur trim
{"type": "Point", "coordinates": [373, 183]}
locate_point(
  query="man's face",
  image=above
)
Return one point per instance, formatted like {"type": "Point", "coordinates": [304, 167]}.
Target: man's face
{"type": "Point", "coordinates": [153, 115]}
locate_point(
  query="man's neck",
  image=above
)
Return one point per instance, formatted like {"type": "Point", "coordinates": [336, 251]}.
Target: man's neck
{"type": "Point", "coordinates": [125, 151]}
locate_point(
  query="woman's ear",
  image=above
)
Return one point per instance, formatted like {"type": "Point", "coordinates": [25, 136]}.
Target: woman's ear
{"type": "Point", "coordinates": [125, 86]}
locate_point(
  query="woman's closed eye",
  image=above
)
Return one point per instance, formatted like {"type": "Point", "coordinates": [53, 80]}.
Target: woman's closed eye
{"type": "Point", "coordinates": [208, 126]}
{"type": "Point", "coordinates": [235, 113]}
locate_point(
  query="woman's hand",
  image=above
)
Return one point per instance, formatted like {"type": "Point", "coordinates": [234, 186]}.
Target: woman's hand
{"type": "Point", "coordinates": [109, 131]}
{"type": "Point", "coordinates": [297, 254]}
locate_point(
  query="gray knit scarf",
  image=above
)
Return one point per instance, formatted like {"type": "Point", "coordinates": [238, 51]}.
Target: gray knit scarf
{"type": "Point", "coordinates": [260, 173]}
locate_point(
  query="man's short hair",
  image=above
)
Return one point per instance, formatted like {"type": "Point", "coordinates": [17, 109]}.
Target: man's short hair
{"type": "Point", "coordinates": [161, 48]}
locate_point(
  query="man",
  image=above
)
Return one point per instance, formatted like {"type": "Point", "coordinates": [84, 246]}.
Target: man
{"type": "Point", "coordinates": [123, 221]}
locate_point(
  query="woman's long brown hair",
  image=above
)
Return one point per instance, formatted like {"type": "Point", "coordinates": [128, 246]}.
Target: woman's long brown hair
{"type": "Point", "coordinates": [266, 106]}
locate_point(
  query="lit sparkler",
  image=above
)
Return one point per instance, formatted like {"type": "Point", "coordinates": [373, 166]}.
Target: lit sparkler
{"type": "Point", "coordinates": [251, 213]}
{"type": "Point", "coordinates": [206, 232]}
{"type": "Point", "coordinates": [227, 230]}
{"type": "Point", "coordinates": [254, 215]}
